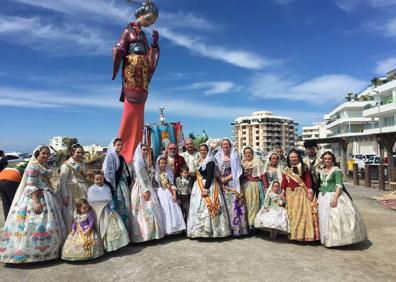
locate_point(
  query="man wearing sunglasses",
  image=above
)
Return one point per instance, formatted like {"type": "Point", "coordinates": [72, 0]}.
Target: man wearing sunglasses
{"type": "Point", "coordinates": [175, 161]}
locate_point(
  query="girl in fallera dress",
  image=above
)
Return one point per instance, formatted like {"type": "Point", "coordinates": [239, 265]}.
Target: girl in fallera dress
{"type": "Point", "coordinates": [273, 168]}
{"type": "Point", "coordinates": [83, 242]}
{"type": "Point", "coordinates": [273, 215]}
{"type": "Point", "coordinates": [147, 219]}
{"type": "Point", "coordinates": [340, 221]}
{"type": "Point", "coordinates": [109, 223]}
{"type": "Point", "coordinates": [173, 216]}
{"type": "Point", "coordinates": [118, 177]}
{"type": "Point", "coordinates": [34, 230]}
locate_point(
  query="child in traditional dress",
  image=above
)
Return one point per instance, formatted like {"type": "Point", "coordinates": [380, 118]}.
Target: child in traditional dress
{"type": "Point", "coordinates": [183, 185]}
{"type": "Point", "coordinates": [109, 223]}
{"type": "Point", "coordinates": [273, 215]}
{"type": "Point", "coordinates": [173, 216]}
{"type": "Point", "coordinates": [83, 242]}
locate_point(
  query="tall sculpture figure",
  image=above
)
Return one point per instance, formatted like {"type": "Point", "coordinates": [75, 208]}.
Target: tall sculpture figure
{"type": "Point", "coordinates": [139, 63]}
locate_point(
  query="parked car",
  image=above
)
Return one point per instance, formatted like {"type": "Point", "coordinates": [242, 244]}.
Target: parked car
{"type": "Point", "coordinates": [362, 157]}
{"type": "Point", "coordinates": [13, 158]}
{"type": "Point", "coordinates": [361, 164]}
{"type": "Point", "coordinates": [374, 162]}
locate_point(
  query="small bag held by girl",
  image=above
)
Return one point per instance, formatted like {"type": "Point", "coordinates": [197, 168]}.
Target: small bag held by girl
{"type": "Point", "coordinates": [83, 242]}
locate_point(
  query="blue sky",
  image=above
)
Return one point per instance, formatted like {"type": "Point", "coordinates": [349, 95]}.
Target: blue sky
{"type": "Point", "coordinates": [219, 60]}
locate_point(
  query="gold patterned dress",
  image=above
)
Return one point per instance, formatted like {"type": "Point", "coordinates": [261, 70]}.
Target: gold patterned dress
{"type": "Point", "coordinates": [83, 242]}
{"type": "Point", "coordinates": [302, 213]}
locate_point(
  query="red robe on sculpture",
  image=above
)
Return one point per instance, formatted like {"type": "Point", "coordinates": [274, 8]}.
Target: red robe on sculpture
{"type": "Point", "coordinates": [139, 63]}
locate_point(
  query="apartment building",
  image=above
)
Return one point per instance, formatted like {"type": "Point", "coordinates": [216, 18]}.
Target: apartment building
{"type": "Point", "coordinates": [262, 131]}
{"type": "Point", "coordinates": [368, 112]}
{"type": "Point", "coordinates": [317, 130]}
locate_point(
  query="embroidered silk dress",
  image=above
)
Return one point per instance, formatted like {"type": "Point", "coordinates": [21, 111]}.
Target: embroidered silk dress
{"type": "Point", "coordinates": [122, 195]}
{"type": "Point", "coordinates": [235, 204]}
{"type": "Point", "coordinates": [173, 216]}
{"type": "Point", "coordinates": [108, 222]}
{"type": "Point", "coordinates": [27, 236]}
{"type": "Point", "coordinates": [82, 244]}
{"type": "Point", "coordinates": [253, 184]}
{"type": "Point", "coordinates": [207, 216]}
{"type": "Point", "coordinates": [302, 213]}
{"type": "Point", "coordinates": [273, 215]}
{"type": "Point", "coordinates": [343, 224]}
{"type": "Point", "coordinates": [73, 184]}
{"type": "Point", "coordinates": [147, 219]}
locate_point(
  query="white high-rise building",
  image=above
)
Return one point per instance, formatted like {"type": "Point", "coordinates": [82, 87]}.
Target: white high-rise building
{"type": "Point", "coordinates": [317, 130]}
{"type": "Point", "coordinates": [57, 143]}
{"type": "Point", "coordinates": [262, 131]}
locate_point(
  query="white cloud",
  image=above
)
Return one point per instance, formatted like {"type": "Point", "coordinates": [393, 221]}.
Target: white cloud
{"type": "Point", "coordinates": [212, 87]}
{"type": "Point", "coordinates": [55, 38]}
{"type": "Point", "coordinates": [189, 20]}
{"type": "Point", "coordinates": [243, 59]}
{"type": "Point", "coordinates": [93, 9]}
{"type": "Point", "coordinates": [390, 28]}
{"type": "Point", "coordinates": [318, 90]}
{"type": "Point", "coordinates": [348, 5]}
{"type": "Point", "coordinates": [382, 3]}
{"type": "Point", "coordinates": [284, 2]}
{"type": "Point", "coordinates": [87, 34]}
{"type": "Point", "coordinates": [352, 5]}
{"type": "Point", "coordinates": [98, 96]}
{"type": "Point", "coordinates": [384, 66]}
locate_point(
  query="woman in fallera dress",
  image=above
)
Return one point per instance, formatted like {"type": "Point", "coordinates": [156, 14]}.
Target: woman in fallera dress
{"type": "Point", "coordinates": [207, 216]}
{"type": "Point", "coordinates": [73, 183]}
{"type": "Point", "coordinates": [230, 170]}
{"type": "Point", "coordinates": [34, 230]}
{"type": "Point", "coordinates": [254, 183]}
{"type": "Point", "coordinates": [118, 177]}
{"type": "Point", "coordinates": [340, 221]}
{"type": "Point", "coordinates": [147, 218]}
{"type": "Point", "coordinates": [300, 203]}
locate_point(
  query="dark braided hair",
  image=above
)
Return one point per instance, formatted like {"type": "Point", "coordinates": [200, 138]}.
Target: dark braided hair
{"type": "Point", "coordinates": [75, 147]}
{"type": "Point", "coordinates": [147, 7]}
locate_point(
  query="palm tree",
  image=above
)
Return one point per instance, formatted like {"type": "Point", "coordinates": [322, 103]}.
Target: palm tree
{"type": "Point", "coordinates": [376, 81]}
{"type": "Point", "coordinates": [349, 96]}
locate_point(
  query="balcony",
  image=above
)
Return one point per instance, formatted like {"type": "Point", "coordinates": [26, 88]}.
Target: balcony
{"type": "Point", "coordinates": [353, 120]}
{"type": "Point", "coordinates": [375, 111]}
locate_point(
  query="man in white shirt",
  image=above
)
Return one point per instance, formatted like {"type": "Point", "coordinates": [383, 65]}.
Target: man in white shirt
{"type": "Point", "coordinates": [191, 156]}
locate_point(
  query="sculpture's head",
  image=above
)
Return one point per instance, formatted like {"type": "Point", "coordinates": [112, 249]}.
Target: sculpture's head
{"type": "Point", "coordinates": [147, 13]}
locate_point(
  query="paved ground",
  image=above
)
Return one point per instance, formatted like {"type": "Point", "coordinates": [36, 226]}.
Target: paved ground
{"type": "Point", "coordinates": [254, 258]}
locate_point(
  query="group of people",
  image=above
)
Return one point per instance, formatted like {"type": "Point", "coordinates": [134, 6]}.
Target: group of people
{"type": "Point", "coordinates": [203, 194]}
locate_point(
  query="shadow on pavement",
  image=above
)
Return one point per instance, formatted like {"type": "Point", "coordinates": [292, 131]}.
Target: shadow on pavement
{"type": "Point", "coordinates": [364, 245]}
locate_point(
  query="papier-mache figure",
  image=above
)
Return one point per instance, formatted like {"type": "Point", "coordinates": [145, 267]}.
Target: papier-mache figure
{"type": "Point", "coordinates": [139, 63]}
